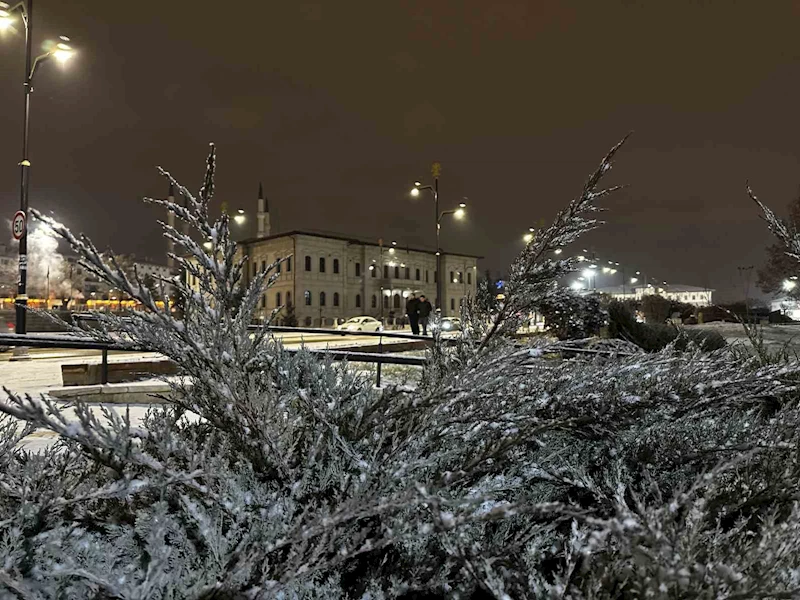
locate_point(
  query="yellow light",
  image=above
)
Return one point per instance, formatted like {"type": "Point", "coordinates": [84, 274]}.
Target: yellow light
{"type": "Point", "coordinates": [5, 19]}
{"type": "Point", "coordinates": [415, 192]}
{"type": "Point", "coordinates": [207, 245]}
{"type": "Point", "coordinates": [391, 250]}
{"type": "Point", "coordinates": [557, 251]}
{"type": "Point", "coordinates": [527, 238]}
{"type": "Point", "coordinates": [239, 218]}
{"type": "Point", "coordinates": [459, 214]}
{"type": "Point", "coordinates": [63, 51]}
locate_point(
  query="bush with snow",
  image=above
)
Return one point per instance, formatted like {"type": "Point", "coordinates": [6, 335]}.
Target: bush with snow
{"type": "Point", "coordinates": [504, 472]}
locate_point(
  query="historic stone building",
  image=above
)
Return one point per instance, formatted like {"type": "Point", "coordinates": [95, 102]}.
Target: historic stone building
{"type": "Point", "coordinates": [326, 278]}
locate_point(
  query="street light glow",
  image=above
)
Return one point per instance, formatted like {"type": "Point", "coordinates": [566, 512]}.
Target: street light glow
{"type": "Point", "coordinates": [415, 192]}
{"type": "Point", "coordinates": [634, 280]}
{"type": "Point", "coordinates": [63, 51]}
{"type": "Point", "coordinates": [557, 251]}
{"type": "Point", "coordinates": [527, 238]}
{"type": "Point", "coordinates": [576, 285]}
{"type": "Point", "coordinates": [789, 285]}
{"type": "Point", "coordinates": [5, 19]}
{"type": "Point", "coordinates": [588, 273]}
{"type": "Point", "coordinates": [460, 212]}
{"type": "Point", "coordinates": [239, 218]}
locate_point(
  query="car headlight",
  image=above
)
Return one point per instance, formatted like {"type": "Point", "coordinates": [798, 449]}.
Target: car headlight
{"type": "Point", "coordinates": [447, 325]}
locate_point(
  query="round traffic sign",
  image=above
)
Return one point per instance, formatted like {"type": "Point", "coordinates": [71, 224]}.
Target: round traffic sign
{"type": "Point", "coordinates": [18, 225]}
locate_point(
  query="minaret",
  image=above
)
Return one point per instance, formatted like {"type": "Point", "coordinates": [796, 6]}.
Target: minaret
{"type": "Point", "coordinates": [171, 223]}
{"type": "Point", "coordinates": [263, 214]}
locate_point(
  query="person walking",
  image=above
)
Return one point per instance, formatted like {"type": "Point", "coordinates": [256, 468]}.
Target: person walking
{"type": "Point", "coordinates": [412, 311]}
{"type": "Point", "coordinates": [424, 310]}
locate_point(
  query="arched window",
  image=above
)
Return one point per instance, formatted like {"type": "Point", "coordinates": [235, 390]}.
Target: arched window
{"type": "Point", "coordinates": [408, 273]}
{"type": "Point", "coordinates": [397, 300]}
{"type": "Point", "coordinates": [452, 277]}
{"type": "Point", "coordinates": [288, 298]}
{"type": "Point", "coordinates": [374, 301]}
{"type": "Point", "coordinates": [278, 266]}
{"type": "Point", "coordinates": [469, 278]}
{"type": "Point", "coordinates": [385, 301]}
{"type": "Point", "coordinates": [397, 272]}
{"type": "Point", "coordinates": [321, 264]}
{"type": "Point", "coordinates": [386, 271]}
{"type": "Point", "coordinates": [322, 298]}
{"type": "Point", "coordinates": [374, 270]}
{"type": "Point", "coordinates": [336, 266]}
{"type": "Point", "coordinates": [308, 263]}
{"type": "Point", "coordinates": [417, 273]}
{"type": "Point", "coordinates": [336, 298]}
{"type": "Point", "coordinates": [307, 295]}
{"type": "Point", "coordinates": [358, 300]}
{"type": "Point", "coordinates": [288, 264]}
{"type": "Point", "coordinates": [277, 299]}
{"type": "Point", "coordinates": [452, 303]}
{"type": "Point", "coordinates": [263, 301]}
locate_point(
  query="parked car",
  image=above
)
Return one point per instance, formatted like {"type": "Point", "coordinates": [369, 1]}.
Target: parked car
{"type": "Point", "coordinates": [361, 324]}
{"type": "Point", "coordinates": [6, 328]}
{"type": "Point", "coordinates": [448, 324]}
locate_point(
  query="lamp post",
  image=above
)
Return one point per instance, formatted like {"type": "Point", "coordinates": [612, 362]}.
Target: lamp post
{"type": "Point", "coordinates": [457, 213]}
{"type": "Point", "coordinates": [61, 51]}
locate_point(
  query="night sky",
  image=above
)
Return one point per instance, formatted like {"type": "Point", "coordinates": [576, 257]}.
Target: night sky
{"type": "Point", "coordinates": [339, 106]}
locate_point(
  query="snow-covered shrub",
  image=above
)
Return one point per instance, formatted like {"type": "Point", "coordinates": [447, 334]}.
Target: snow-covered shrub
{"type": "Point", "coordinates": [503, 473]}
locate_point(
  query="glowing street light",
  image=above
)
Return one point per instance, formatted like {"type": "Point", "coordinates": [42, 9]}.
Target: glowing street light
{"type": "Point", "coordinates": [63, 51]}
{"type": "Point", "coordinates": [634, 280]}
{"type": "Point", "coordinates": [576, 285]}
{"type": "Point", "coordinates": [557, 251]}
{"type": "Point", "coordinates": [789, 285]}
{"type": "Point", "coordinates": [460, 212]}
{"type": "Point", "coordinates": [5, 17]}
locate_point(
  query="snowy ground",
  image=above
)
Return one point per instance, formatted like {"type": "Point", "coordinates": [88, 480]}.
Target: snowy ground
{"type": "Point", "coordinates": [774, 335]}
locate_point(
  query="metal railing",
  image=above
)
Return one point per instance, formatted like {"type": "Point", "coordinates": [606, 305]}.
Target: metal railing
{"type": "Point", "coordinates": [78, 343]}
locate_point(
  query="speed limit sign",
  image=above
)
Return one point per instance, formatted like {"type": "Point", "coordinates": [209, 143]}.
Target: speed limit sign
{"type": "Point", "coordinates": [18, 225]}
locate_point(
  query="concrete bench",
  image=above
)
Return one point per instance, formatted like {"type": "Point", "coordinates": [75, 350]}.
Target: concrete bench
{"type": "Point", "coordinates": [118, 372]}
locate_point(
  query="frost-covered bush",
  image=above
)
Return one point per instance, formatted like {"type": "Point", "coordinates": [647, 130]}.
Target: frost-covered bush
{"type": "Point", "coordinates": [502, 473]}
{"type": "Point", "coordinates": [654, 337]}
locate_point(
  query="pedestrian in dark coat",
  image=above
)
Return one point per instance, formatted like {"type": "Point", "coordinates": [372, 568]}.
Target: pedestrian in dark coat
{"type": "Point", "coordinates": [412, 311]}
{"type": "Point", "coordinates": [424, 310]}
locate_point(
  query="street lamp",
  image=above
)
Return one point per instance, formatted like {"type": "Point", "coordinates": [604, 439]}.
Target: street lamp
{"type": "Point", "coordinates": [61, 51]}
{"type": "Point", "coordinates": [528, 237]}
{"type": "Point", "coordinates": [789, 285]}
{"type": "Point", "coordinates": [239, 218]}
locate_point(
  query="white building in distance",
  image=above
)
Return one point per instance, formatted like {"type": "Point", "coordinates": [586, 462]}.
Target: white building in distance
{"type": "Point", "coordinates": [686, 294]}
{"type": "Point", "coordinates": [326, 277]}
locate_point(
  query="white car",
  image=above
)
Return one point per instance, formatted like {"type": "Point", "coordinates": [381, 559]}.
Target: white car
{"type": "Point", "coordinates": [360, 324]}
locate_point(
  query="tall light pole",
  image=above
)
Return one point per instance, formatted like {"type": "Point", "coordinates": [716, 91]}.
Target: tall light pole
{"type": "Point", "coordinates": [458, 213]}
{"type": "Point", "coordinates": [61, 51]}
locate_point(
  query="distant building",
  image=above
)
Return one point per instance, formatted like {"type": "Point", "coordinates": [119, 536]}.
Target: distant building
{"type": "Point", "coordinates": [686, 294]}
{"type": "Point", "coordinates": [329, 277]}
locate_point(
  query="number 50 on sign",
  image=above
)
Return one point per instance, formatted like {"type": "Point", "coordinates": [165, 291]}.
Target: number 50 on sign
{"type": "Point", "coordinates": [18, 225]}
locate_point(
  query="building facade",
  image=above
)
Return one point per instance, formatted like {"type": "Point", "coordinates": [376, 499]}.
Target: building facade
{"type": "Point", "coordinates": [327, 278]}
{"type": "Point", "coordinates": [686, 294]}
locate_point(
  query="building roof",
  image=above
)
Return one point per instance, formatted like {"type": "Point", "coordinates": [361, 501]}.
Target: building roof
{"type": "Point", "coordinates": [348, 239]}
